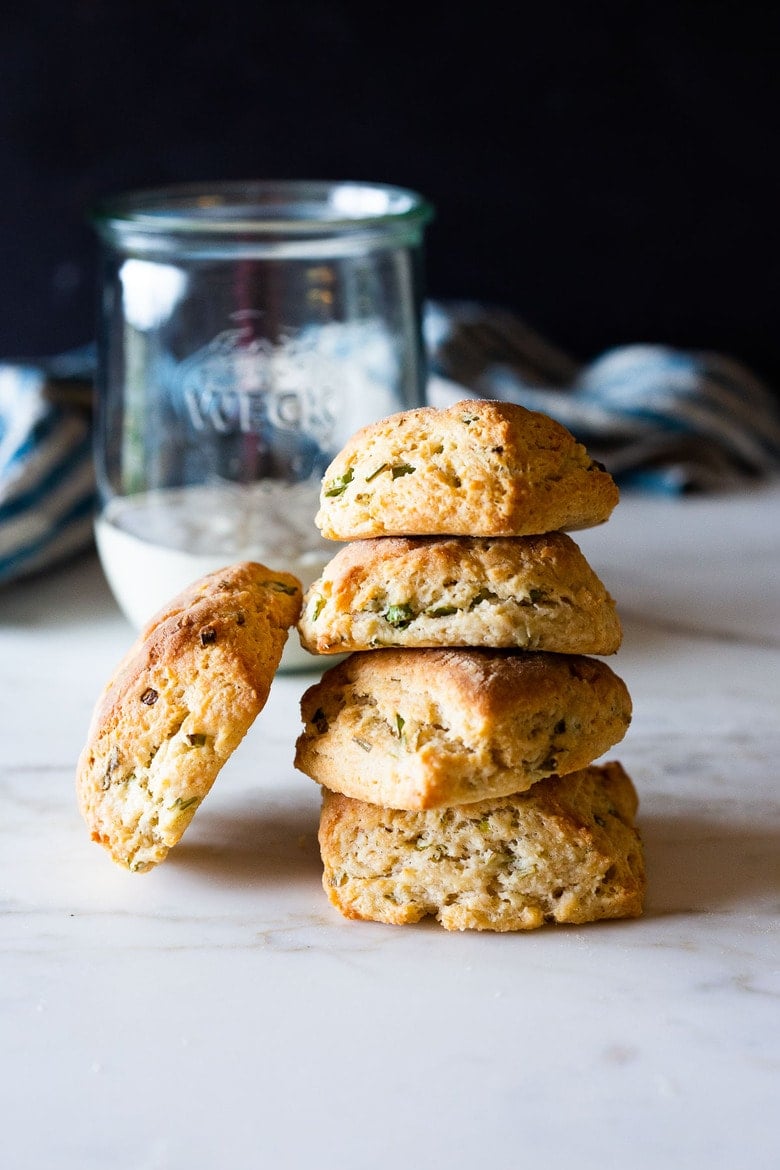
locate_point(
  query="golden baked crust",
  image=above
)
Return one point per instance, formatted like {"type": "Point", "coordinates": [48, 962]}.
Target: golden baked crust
{"type": "Point", "coordinates": [478, 468]}
{"type": "Point", "coordinates": [179, 703]}
{"type": "Point", "coordinates": [564, 851]}
{"type": "Point", "coordinates": [417, 729]}
{"type": "Point", "coordinates": [528, 592]}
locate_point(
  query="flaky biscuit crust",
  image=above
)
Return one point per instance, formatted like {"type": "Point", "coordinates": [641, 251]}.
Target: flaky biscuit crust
{"type": "Point", "coordinates": [566, 851]}
{"type": "Point", "coordinates": [533, 593]}
{"type": "Point", "coordinates": [478, 468]}
{"type": "Point", "coordinates": [178, 705]}
{"type": "Point", "coordinates": [419, 729]}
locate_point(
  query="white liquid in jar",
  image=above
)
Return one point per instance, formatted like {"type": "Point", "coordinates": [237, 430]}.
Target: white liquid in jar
{"type": "Point", "coordinates": [154, 544]}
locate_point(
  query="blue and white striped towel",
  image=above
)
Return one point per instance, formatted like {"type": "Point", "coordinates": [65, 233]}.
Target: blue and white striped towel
{"type": "Point", "coordinates": [660, 419]}
{"type": "Point", "coordinates": [47, 480]}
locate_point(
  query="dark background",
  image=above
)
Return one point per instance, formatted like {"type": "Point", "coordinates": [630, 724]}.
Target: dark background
{"type": "Point", "coordinates": [608, 171]}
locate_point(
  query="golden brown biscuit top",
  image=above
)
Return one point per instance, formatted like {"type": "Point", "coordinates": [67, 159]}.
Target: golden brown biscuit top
{"type": "Point", "coordinates": [212, 609]}
{"type": "Point", "coordinates": [479, 468]}
{"type": "Point", "coordinates": [482, 682]}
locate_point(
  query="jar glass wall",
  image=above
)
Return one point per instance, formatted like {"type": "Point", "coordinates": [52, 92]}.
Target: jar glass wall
{"type": "Point", "coordinates": [246, 331]}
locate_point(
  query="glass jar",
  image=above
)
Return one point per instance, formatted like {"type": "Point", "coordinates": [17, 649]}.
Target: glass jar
{"type": "Point", "coordinates": [246, 331]}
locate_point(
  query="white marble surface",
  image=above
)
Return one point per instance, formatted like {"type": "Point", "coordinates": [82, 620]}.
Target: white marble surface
{"type": "Point", "coordinates": [218, 1013]}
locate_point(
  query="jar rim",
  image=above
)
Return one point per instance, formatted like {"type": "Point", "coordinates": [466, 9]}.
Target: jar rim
{"type": "Point", "coordinates": [263, 208]}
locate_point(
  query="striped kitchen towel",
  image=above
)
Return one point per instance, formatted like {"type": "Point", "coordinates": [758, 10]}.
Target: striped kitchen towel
{"type": "Point", "coordinates": [659, 418]}
{"type": "Point", "coordinates": [47, 480]}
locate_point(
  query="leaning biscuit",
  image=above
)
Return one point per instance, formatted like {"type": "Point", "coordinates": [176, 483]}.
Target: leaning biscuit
{"type": "Point", "coordinates": [179, 703]}
{"type": "Point", "coordinates": [529, 592]}
{"type": "Point", "coordinates": [478, 468]}
{"type": "Point", "coordinates": [565, 851]}
{"type": "Point", "coordinates": [418, 729]}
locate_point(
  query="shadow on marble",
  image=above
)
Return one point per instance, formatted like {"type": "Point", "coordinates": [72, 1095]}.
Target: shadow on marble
{"type": "Point", "coordinates": [694, 864]}
{"type": "Point", "coordinates": [254, 847]}
{"type": "Point", "coordinates": [68, 594]}
{"type": "Point", "coordinates": [700, 865]}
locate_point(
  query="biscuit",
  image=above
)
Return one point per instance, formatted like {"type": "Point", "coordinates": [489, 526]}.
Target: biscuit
{"type": "Point", "coordinates": [418, 729]}
{"type": "Point", "coordinates": [179, 703]}
{"type": "Point", "coordinates": [565, 851]}
{"type": "Point", "coordinates": [528, 592]}
{"type": "Point", "coordinates": [478, 468]}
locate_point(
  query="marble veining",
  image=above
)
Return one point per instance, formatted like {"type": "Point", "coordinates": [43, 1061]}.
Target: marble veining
{"type": "Point", "coordinates": [216, 1012]}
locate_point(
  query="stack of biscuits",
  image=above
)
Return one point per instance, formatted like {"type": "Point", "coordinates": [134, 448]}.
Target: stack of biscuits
{"type": "Point", "coordinates": [455, 741]}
